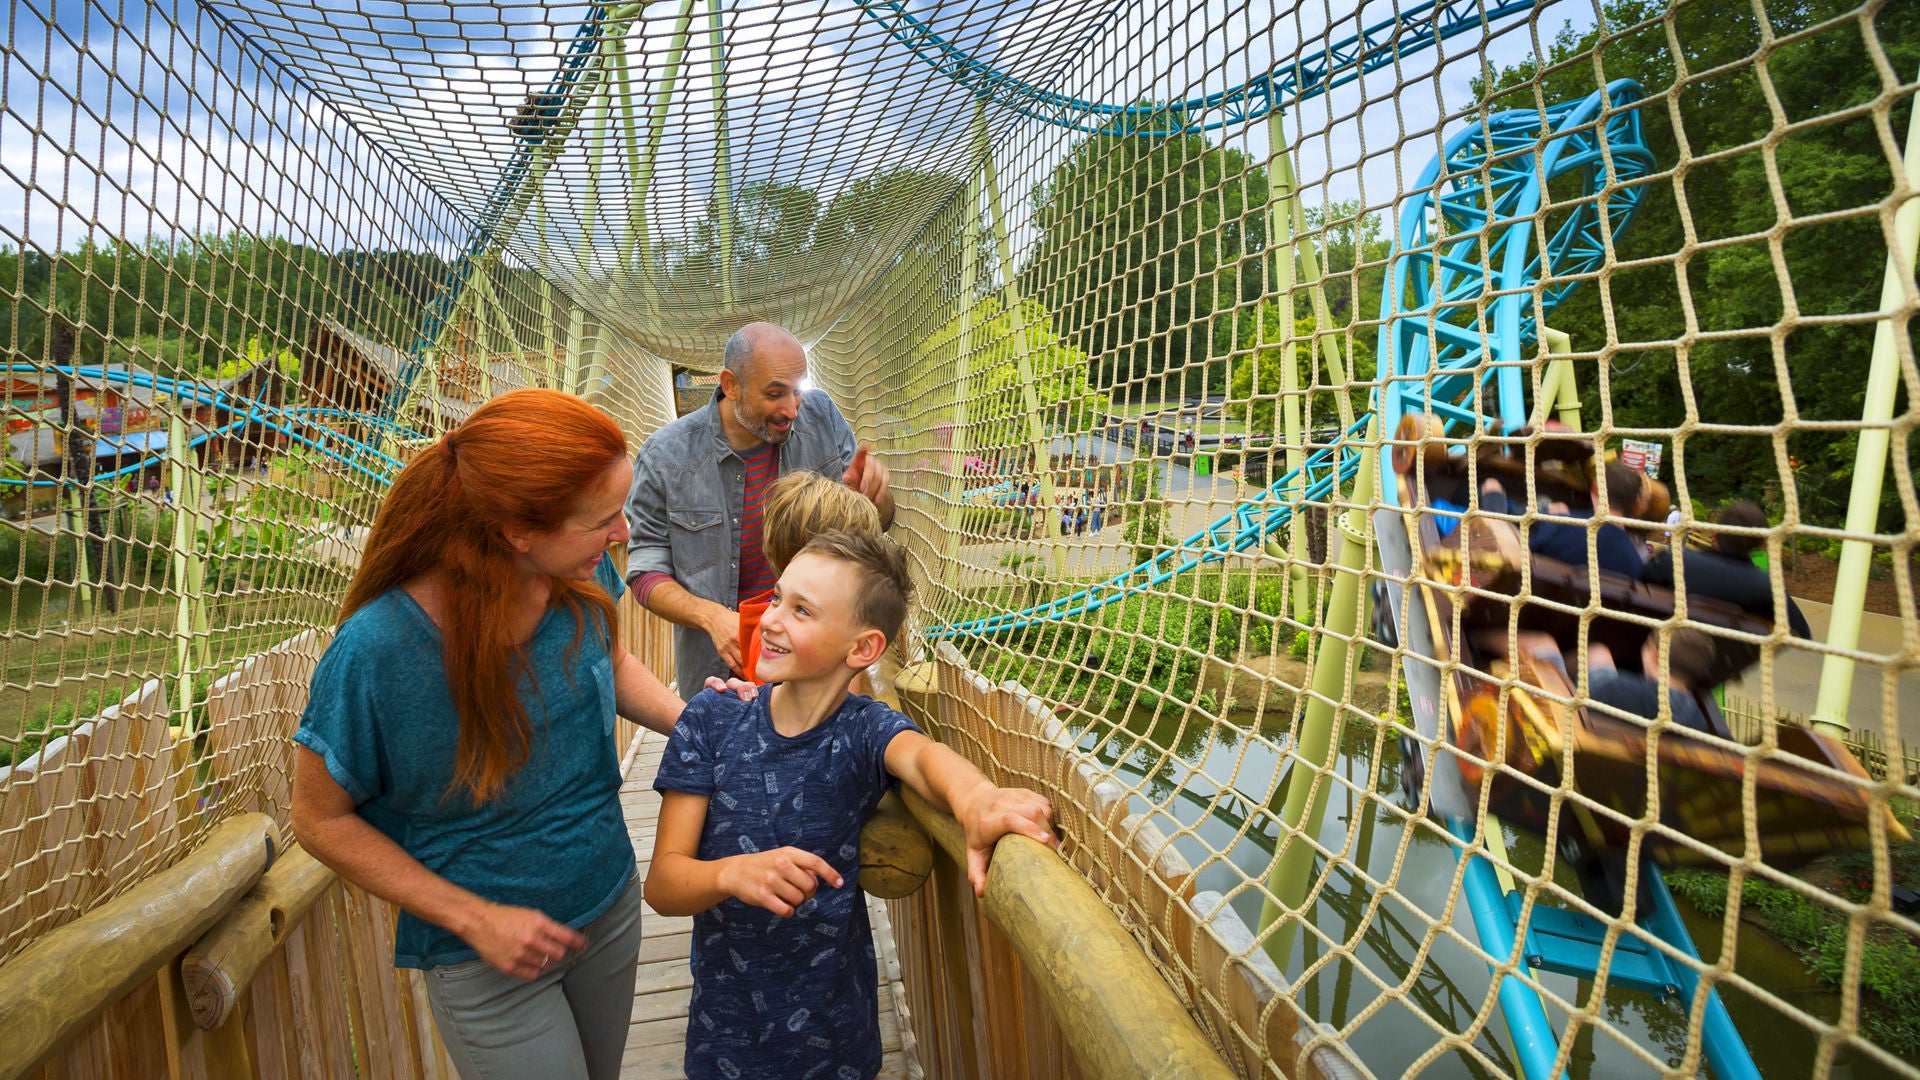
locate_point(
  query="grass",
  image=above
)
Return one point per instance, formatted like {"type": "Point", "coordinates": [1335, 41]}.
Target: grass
{"type": "Point", "coordinates": [52, 680]}
{"type": "Point", "coordinates": [1817, 933]}
{"type": "Point", "coordinates": [1154, 645]}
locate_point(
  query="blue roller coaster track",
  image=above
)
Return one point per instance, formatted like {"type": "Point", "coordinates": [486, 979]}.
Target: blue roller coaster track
{"type": "Point", "coordinates": [1466, 290]}
{"type": "Point", "coordinates": [1378, 46]}
{"type": "Point", "coordinates": [306, 427]}
{"type": "Point", "coordinates": [1458, 318]}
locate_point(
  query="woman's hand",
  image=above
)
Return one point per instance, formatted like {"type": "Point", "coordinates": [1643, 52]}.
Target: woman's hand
{"type": "Point", "coordinates": [521, 942]}
{"type": "Point", "coordinates": [779, 880]}
{"type": "Point", "coordinates": [740, 688]}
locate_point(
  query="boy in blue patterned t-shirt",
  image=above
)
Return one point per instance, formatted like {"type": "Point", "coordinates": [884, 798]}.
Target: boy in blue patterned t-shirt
{"type": "Point", "coordinates": [760, 818]}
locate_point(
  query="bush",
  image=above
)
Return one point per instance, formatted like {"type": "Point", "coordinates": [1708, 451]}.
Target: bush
{"type": "Point", "coordinates": [1155, 642]}
{"type": "Point", "coordinates": [1819, 935]}
{"type": "Point", "coordinates": [1147, 524]}
{"type": "Point", "coordinates": [979, 520]}
{"type": "Point", "coordinates": [54, 719]}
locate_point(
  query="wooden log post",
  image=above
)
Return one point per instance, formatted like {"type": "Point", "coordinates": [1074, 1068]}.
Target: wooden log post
{"type": "Point", "coordinates": [895, 854]}
{"type": "Point", "coordinates": [219, 967]}
{"type": "Point", "coordinates": [1121, 1019]}
{"type": "Point", "coordinates": [56, 986]}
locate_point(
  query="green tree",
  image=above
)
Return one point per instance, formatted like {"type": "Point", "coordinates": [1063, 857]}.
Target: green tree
{"type": "Point", "coordinates": [1141, 241]}
{"type": "Point", "coordinates": [1719, 243]}
{"type": "Point", "coordinates": [1060, 382]}
{"type": "Point", "coordinates": [772, 226]}
{"type": "Point", "coordinates": [876, 218]}
{"type": "Point", "coordinates": [1253, 337]}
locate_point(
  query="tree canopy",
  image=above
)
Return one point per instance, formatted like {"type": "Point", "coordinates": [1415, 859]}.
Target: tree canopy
{"type": "Point", "coordinates": [1142, 239]}
{"type": "Point", "coordinates": [1702, 331]}
{"type": "Point", "coordinates": [1059, 369]}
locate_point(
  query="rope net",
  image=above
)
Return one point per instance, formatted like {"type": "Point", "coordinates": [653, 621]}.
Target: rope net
{"type": "Point", "coordinates": [1248, 378]}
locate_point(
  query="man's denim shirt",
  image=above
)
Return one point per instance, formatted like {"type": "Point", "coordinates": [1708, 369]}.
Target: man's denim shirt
{"type": "Point", "coordinates": [688, 485]}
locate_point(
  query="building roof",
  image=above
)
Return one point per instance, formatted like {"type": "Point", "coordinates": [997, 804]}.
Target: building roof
{"type": "Point", "coordinates": [139, 442]}
{"type": "Point", "coordinates": [383, 358]}
{"type": "Point", "coordinates": [48, 381]}
{"type": "Point", "coordinates": [36, 446]}
{"type": "Point", "coordinates": [504, 372]}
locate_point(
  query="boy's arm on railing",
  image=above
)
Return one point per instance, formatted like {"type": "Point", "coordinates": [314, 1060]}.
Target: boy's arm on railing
{"type": "Point", "coordinates": [951, 784]}
{"type": "Point", "coordinates": [681, 883]}
{"type": "Point", "coordinates": [518, 941]}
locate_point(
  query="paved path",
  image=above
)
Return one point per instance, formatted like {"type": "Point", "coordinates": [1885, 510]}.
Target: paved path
{"type": "Point", "coordinates": [655, 1042]}
{"type": "Point", "coordinates": [1796, 676]}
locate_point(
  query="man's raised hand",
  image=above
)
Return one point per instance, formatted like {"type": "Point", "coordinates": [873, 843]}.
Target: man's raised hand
{"type": "Point", "coordinates": [867, 475]}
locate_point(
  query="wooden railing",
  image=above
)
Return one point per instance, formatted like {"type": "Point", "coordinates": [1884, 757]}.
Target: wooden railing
{"type": "Point", "coordinates": [987, 1004]}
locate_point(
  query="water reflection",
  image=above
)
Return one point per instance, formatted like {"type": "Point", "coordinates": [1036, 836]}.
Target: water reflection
{"type": "Point", "coordinates": [1209, 784]}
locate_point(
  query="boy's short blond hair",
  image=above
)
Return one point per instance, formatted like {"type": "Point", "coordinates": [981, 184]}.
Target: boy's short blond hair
{"type": "Point", "coordinates": [885, 587]}
{"type": "Point", "coordinates": [802, 505]}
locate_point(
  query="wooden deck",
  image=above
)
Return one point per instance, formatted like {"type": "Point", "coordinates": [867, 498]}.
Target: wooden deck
{"type": "Point", "coordinates": [655, 1042]}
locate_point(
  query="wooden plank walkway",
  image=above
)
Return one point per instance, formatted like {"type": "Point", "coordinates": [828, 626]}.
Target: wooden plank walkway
{"type": "Point", "coordinates": [656, 1041]}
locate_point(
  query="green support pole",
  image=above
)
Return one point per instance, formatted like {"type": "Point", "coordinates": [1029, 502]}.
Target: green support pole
{"type": "Point", "coordinates": [722, 166]}
{"type": "Point", "coordinates": [503, 322]}
{"type": "Point", "coordinates": [548, 346]}
{"type": "Point", "coordinates": [963, 389]}
{"type": "Point", "coordinates": [595, 354]}
{"type": "Point", "coordinates": [598, 112]}
{"type": "Point", "coordinates": [1022, 352]}
{"type": "Point", "coordinates": [1559, 389]}
{"type": "Point", "coordinates": [1870, 457]}
{"type": "Point", "coordinates": [1280, 282]}
{"type": "Point", "coordinates": [1305, 806]}
{"type": "Point", "coordinates": [189, 577]}
{"type": "Point", "coordinates": [1322, 314]}
{"type": "Point", "coordinates": [634, 244]}
{"type": "Point", "coordinates": [570, 358]}
{"type": "Point", "coordinates": [76, 499]}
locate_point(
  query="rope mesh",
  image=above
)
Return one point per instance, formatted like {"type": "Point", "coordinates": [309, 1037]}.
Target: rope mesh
{"type": "Point", "coordinates": [1160, 318]}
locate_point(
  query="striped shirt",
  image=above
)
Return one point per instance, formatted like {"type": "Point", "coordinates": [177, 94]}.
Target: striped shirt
{"type": "Point", "coordinates": [760, 468]}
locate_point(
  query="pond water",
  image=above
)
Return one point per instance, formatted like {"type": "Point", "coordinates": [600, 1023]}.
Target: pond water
{"type": "Point", "coordinates": [1195, 772]}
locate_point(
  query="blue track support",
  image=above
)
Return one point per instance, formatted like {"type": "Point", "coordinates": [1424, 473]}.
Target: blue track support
{"type": "Point", "coordinates": [546, 112]}
{"type": "Point", "coordinates": [1458, 314]}
{"type": "Point", "coordinates": [1727, 1053]}
{"type": "Point", "coordinates": [1532, 1035]}
{"type": "Point", "coordinates": [1568, 943]}
{"type": "Point", "coordinates": [350, 452]}
{"type": "Point", "coordinates": [1381, 45]}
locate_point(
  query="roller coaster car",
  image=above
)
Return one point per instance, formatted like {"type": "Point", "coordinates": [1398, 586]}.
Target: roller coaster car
{"type": "Point", "coordinates": [1562, 465]}
{"type": "Point", "coordinates": [1799, 812]}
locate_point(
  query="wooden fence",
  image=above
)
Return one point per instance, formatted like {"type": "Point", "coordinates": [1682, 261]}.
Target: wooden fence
{"type": "Point", "coordinates": [1900, 761]}
{"type": "Point", "coordinates": [124, 796]}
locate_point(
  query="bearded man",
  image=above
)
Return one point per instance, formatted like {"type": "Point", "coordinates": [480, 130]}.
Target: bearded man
{"type": "Point", "coordinates": [698, 486]}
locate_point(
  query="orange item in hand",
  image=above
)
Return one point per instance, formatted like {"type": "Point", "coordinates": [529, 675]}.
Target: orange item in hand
{"type": "Point", "coordinates": [750, 613]}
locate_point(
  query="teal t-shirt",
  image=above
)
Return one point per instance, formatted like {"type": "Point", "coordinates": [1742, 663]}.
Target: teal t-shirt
{"type": "Point", "coordinates": [381, 717]}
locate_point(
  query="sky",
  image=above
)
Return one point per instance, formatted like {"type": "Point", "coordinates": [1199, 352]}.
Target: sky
{"type": "Point", "coordinates": [383, 124]}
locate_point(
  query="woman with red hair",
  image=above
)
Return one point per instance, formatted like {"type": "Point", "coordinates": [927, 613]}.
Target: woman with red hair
{"type": "Point", "coordinates": [456, 755]}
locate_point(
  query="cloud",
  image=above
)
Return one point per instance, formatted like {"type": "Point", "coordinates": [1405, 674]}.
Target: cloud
{"type": "Point", "coordinates": [387, 124]}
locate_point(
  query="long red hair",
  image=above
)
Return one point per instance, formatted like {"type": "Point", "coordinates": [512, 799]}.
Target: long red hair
{"type": "Point", "coordinates": [522, 460]}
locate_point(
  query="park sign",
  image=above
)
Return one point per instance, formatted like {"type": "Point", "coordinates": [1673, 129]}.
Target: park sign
{"type": "Point", "coordinates": [1641, 456]}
